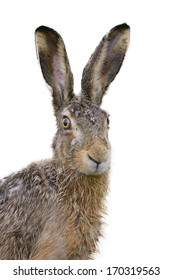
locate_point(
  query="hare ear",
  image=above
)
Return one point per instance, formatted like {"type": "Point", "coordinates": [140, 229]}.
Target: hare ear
{"type": "Point", "coordinates": [105, 63]}
{"type": "Point", "coordinates": [55, 65]}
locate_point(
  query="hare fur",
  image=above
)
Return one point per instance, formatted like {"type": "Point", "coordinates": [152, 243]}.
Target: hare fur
{"type": "Point", "coordinates": [53, 209]}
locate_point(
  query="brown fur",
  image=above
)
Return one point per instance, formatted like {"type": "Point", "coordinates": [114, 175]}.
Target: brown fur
{"type": "Point", "coordinates": [54, 209]}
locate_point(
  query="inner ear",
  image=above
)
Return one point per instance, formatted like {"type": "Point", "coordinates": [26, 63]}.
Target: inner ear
{"type": "Point", "coordinates": [54, 64]}
{"type": "Point", "coordinates": [105, 63]}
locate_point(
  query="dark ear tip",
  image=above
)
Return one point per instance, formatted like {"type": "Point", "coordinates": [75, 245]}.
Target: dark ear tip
{"type": "Point", "coordinates": [121, 28]}
{"type": "Point", "coordinates": [45, 30]}
{"type": "Point", "coordinates": [41, 29]}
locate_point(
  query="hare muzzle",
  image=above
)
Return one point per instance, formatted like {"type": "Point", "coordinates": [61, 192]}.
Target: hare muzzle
{"type": "Point", "coordinates": [96, 159]}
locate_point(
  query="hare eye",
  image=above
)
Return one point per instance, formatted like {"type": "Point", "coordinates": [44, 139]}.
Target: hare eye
{"type": "Point", "coordinates": [66, 122]}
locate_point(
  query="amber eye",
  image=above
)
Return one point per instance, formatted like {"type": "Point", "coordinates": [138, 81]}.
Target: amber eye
{"type": "Point", "coordinates": [66, 122]}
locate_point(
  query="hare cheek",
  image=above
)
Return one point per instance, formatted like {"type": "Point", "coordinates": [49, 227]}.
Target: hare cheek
{"type": "Point", "coordinates": [77, 137]}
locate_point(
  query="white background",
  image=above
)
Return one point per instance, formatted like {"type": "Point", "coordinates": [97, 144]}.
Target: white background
{"type": "Point", "coordinates": [139, 223]}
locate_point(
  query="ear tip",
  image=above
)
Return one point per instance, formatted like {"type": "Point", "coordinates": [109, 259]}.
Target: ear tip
{"type": "Point", "coordinates": [121, 28]}
{"type": "Point", "coordinates": [46, 30]}
{"type": "Point", "coordinates": [124, 26]}
{"type": "Point", "coordinates": [41, 29]}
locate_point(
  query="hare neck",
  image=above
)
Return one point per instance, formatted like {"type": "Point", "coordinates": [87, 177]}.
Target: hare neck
{"type": "Point", "coordinates": [83, 191]}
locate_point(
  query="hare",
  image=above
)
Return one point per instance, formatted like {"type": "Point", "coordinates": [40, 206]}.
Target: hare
{"type": "Point", "coordinates": [53, 209]}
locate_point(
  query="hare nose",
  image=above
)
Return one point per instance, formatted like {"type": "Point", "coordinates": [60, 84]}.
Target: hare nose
{"type": "Point", "coordinates": [94, 160]}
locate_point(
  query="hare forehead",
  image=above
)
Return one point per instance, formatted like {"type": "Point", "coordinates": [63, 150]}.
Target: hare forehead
{"type": "Point", "coordinates": [85, 113]}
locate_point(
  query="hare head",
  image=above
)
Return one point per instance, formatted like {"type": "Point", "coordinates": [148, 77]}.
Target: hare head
{"type": "Point", "coordinates": [81, 142]}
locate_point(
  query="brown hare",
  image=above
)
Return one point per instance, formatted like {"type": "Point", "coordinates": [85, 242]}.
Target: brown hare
{"type": "Point", "coordinates": [53, 209]}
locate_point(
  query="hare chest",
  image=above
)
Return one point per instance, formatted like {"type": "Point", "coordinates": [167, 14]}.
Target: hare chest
{"type": "Point", "coordinates": [75, 237]}
{"type": "Point", "coordinates": [73, 224]}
